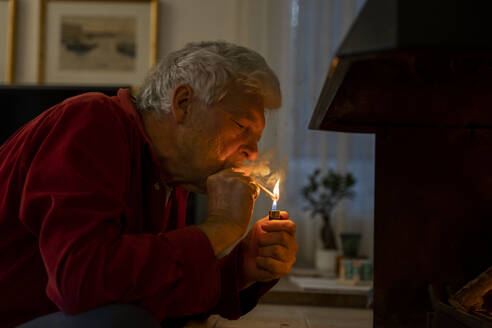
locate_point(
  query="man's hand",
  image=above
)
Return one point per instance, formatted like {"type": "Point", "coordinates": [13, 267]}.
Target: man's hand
{"type": "Point", "coordinates": [268, 251]}
{"type": "Point", "coordinates": [231, 197]}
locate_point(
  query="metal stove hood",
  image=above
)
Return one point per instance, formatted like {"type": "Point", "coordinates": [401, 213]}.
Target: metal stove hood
{"type": "Point", "coordinates": [398, 55]}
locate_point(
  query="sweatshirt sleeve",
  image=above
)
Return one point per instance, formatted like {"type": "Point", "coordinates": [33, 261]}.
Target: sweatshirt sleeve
{"type": "Point", "coordinates": [73, 201]}
{"type": "Point", "coordinates": [234, 303]}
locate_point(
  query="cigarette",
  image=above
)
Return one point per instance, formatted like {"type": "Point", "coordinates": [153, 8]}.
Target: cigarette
{"type": "Point", "coordinates": [266, 191]}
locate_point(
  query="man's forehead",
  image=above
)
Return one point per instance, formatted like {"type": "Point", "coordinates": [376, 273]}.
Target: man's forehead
{"type": "Point", "coordinates": [247, 105]}
{"type": "Point", "coordinates": [254, 114]}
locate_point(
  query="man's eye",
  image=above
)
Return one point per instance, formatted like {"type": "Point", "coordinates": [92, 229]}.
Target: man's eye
{"type": "Point", "coordinates": [239, 124]}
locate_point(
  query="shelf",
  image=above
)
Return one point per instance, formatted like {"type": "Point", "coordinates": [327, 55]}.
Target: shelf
{"type": "Point", "coordinates": [317, 291]}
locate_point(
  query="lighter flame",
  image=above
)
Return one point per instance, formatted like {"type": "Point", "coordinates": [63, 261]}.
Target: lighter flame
{"type": "Point", "coordinates": [276, 192]}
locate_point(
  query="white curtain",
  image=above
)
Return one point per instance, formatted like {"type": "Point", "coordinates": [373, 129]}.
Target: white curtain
{"type": "Point", "coordinates": [299, 38]}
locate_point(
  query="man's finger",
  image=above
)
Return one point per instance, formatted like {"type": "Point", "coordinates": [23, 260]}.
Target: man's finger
{"type": "Point", "coordinates": [281, 238]}
{"type": "Point", "coordinates": [277, 252]}
{"type": "Point", "coordinates": [250, 182]}
{"type": "Point", "coordinates": [263, 275]}
{"type": "Point", "coordinates": [275, 267]}
{"type": "Point", "coordinates": [242, 169]}
{"type": "Point", "coordinates": [279, 225]}
{"type": "Point", "coordinates": [257, 191]}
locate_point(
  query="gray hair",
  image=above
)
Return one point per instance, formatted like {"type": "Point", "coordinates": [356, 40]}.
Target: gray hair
{"type": "Point", "coordinates": [210, 68]}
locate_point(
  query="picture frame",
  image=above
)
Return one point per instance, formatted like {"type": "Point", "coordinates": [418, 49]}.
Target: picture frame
{"type": "Point", "coordinates": [97, 42]}
{"type": "Point", "coordinates": [7, 45]}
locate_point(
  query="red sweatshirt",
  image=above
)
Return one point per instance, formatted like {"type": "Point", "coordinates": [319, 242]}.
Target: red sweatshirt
{"type": "Point", "coordinates": [83, 222]}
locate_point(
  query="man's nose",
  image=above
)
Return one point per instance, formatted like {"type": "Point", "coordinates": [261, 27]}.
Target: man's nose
{"type": "Point", "coordinates": [250, 151]}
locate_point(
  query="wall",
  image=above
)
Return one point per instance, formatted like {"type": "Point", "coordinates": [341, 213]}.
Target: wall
{"type": "Point", "coordinates": [180, 21]}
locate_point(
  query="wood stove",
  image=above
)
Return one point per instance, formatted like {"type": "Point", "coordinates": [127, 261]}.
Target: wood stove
{"type": "Point", "coordinates": [444, 315]}
{"type": "Point", "coordinates": [418, 74]}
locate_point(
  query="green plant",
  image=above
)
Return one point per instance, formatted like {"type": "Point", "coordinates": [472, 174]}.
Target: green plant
{"type": "Point", "coordinates": [323, 193]}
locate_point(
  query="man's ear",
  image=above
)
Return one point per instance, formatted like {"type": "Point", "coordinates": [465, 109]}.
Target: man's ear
{"type": "Point", "coordinates": [181, 101]}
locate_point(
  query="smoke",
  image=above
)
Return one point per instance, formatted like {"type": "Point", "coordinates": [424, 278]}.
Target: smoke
{"type": "Point", "coordinates": [266, 169]}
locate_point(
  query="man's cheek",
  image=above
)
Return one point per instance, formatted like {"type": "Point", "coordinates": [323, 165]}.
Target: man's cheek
{"type": "Point", "coordinates": [223, 149]}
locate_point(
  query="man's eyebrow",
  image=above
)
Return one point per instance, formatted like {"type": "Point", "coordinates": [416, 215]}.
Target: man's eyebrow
{"type": "Point", "coordinates": [254, 118]}
{"type": "Point", "coordinates": [250, 119]}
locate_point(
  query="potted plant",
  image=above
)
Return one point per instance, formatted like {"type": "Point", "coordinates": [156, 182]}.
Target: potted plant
{"type": "Point", "coordinates": [323, 193]}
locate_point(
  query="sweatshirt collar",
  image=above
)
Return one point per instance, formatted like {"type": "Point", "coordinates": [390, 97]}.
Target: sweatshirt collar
{"type": "Point", "coordinates": [127, 102]}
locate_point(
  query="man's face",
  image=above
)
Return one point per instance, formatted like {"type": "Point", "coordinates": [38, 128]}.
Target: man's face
{"type": "Point", "coordinates": [223, 135]}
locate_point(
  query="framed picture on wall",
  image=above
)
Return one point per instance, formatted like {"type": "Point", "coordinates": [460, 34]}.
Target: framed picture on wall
{"type": "Point", "coordinates": [103, 42]}
{"type": "Point", "coordinates": [7, 32]}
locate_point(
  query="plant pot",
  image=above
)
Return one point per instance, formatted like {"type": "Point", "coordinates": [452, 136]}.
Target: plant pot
{"type": "Point", "coordinates": [325, 261]}
{"type": "Point", "coordinates": [350, 244]}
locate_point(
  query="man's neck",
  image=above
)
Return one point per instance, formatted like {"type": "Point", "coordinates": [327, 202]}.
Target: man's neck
{"type": "Point", "coordinates": [161, 133]}
{"type": "Point", "coordinates": [163, 136]}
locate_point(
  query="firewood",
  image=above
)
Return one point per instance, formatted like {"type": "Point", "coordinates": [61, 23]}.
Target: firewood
{"type": "Point", "coordinates": [487, 301]}
{"type": "Point", "coordinates": [470, 297]}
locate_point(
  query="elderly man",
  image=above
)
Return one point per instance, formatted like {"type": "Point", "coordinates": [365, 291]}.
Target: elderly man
{"type": "Point", "coordinates": [93, 192]}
